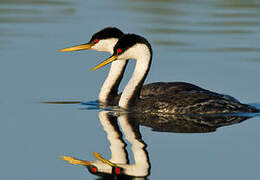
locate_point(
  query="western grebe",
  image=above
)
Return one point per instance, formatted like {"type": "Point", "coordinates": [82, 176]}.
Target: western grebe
{"type": "Point", "coordinates": [105, 40]}
{"type": "Point", "coordinates": [187, 99]}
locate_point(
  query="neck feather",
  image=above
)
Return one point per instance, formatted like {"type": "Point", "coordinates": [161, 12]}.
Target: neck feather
{"type": "Point", "coordinates": [110, 86]}
{"type": "Point", "coordinates": [143, 57]}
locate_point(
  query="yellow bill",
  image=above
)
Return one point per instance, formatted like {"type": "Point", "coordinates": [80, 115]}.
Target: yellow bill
{"type": "Point", "coordinates": [77, 48]}
{"type": "Point", "coordinates": [107, 61]}
{"type": "Point", "coordinates": [98, 156]}
{"type": "Point", "coordinates": [75, 161]}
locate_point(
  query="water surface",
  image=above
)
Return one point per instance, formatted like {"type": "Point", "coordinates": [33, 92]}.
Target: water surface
{"type": "Point", "coordinates": [213, 44]}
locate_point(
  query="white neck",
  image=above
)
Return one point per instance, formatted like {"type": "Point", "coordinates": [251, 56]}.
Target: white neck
{"type": "Point", "coordinates": [142, 54]}
{"type": "Point", "coordinates": [110, 86]}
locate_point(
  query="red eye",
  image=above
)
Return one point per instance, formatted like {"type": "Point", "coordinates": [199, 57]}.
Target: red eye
{"type": "Point", "coordinates": [119, 50]}
{"type": "Point", "coordinates": [117, 170]}
{"type": "Point", "coordinates": [96, 40]}
{"type": "Point", "coordinates": [94, 170]}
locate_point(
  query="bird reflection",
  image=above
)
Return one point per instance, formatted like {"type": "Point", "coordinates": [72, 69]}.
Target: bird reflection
{"type": "Point", "coordinates": [118, 166]}
{"type": "Point", "coordinates": [187, 123]}
{"type": "Point", "coordinates": [119, 124]}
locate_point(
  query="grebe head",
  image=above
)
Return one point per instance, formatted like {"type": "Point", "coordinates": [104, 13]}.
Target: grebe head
{"type": "Point", "coordinates": [98, 167]}
{"type": "Point", "coordinates": [130, 46]}
{"type": "Point", "coordinates": [103, 40]}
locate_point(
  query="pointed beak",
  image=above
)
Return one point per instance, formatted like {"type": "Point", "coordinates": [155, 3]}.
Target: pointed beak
{"type": "Point", "coordinates": [107, 61]}
{"type": "Point", "coordinates": [98, 156]}
{"type": "Point", "coordinates": [75, 161]}
{"type": "Point", "coordinates": [78, 47]}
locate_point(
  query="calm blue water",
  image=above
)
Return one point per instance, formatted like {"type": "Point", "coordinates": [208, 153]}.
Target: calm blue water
{"type": "Point", "coordinates": [213, 44]}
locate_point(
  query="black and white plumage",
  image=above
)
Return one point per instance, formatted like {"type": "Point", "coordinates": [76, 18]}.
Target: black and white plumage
{"type": "Point", "coordinates": [172, 98]}
{"type": "Point", "coordinates": [105, 40]}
